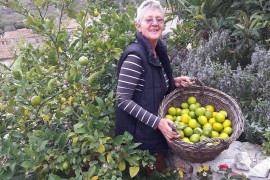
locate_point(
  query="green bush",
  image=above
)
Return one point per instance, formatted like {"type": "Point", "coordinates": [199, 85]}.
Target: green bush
{"type": "Point", "coordinates": [70, 132]}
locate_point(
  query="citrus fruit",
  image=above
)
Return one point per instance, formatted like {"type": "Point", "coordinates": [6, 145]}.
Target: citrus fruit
{"type": "Point", "coordinates": [198, 104]}
{"type": "Point", "coordinates": [210, 107]}
{"type": "Point", "coordinates": [180, 125]}
{"type": "Point", "coordinates": [198, 130]}
{"type": "Point", "coordinates": [227, 123]}
{"type": "Point", "coordinates": [192, 114]}
{"type": "Point", "coordinates": [203, 137]}
{"type": "Point", "coordinates": [191, 100]}
{"type": "Point", "coordinates": [207, 131]}
{"type": "Point", "coordinates": [188, 131]}
{"type": "Point", "coordinates": [208, 114]}
{"type": "Point", "coordinates": [199, 111]}
{"type": "Point", "coordinates": [184, 111]}
{"type": "Point", "coordinates": [199, 125]}
{"type": "Point", "coordinates": [207, 125]}
{"type": "Point", "coordinates": [65, 165]}
{"type": "Point", "coordinates": [224, 136]}
{"type": "Point", "coordinates": [35, 100]}
{"type": "Point", "coordinates": [186, 139]}
{"type": "Point", "coordinates": [194, 138]}
{"type": "Point", "coordinates": [178, 111]}
{"type": "Point", "coordinates": [167, 116]}
{"type": "Point", "coordinates": [178, 118]}
{"type": "Point", "coordinates": [224, 112]}
{"type": "Point", "coordinates": [181, 132]}
{"type": "Point", "coordinates": [185, 118]}
{"type": "Point", "coordinates": [212, 120]}
{"type": "Point", "coordinates": [217, 127]}
{"type": "Point", "coordinates": [96, 13]}
{"type": "Point", "coordinates": [192, 107]}
{"type": "Point", "coordinates": [214, 134]}
{"type": "Point", "coordinates": [172, 111]}
{"type": "Point", "coordinates": [219, 117]}
{"type": "Point", "coordinates": [184, 105]}
{"type": "Point", "coordinates": [202, 120]}
{"type": "Point", "coordinates": [192, 123]}
{"type": "Point", "coordinates": [83, 60]}
{"type": "Point", "coordinates": [228, 130]}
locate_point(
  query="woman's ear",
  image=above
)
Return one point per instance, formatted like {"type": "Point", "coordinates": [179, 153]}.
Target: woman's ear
{"type": "Point", "coordinates": [138, 27]}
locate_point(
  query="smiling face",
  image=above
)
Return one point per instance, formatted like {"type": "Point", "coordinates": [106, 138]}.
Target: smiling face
{"type": "Point", "coordinates": [152, 25]}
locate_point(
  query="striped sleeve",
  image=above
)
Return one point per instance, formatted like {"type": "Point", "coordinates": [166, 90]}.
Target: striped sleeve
{"type": "Point", "coordinates": [130, 81]}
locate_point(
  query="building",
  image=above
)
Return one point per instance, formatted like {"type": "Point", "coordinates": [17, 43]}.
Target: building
{"type": "Point", "coordinates": [10, 41]}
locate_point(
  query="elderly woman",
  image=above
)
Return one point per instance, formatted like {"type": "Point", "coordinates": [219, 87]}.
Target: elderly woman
{"type": "Point", "coordinates": [144, 79]}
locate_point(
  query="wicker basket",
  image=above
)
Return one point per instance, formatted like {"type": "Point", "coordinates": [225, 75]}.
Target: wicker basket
{"type": "Point", "coordinates": [202, 151]}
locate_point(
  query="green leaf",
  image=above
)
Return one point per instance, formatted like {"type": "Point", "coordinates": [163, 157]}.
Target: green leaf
{"type": "Point", "coordinates": [91, 171]}
{"type": "Point", "coordinates": [99, 101]}
{"type": "Point", "coordinates": [28, 164]}
{"type": "Point", "coordinates": [133, 171]}
{"type": "Point", "coordinates": [54, 177]}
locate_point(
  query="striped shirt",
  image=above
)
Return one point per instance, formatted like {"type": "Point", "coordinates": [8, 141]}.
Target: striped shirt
{"type": "Point", "coordinates": [129, 81]}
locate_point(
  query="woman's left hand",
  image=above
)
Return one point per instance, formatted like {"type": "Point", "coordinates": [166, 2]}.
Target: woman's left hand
{"type": "Point", "coordinates": [183, 81]}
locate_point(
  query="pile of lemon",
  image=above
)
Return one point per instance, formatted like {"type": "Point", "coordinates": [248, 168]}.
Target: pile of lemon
{"type": "Point", "coordinates": [196, 123]}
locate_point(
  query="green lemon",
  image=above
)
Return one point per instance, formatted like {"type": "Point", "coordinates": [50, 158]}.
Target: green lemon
{"type": "Point", "coordinates": [188, 131]}
{"type": "Point", "coordinates": [184, 105]}
{"type": "Point", "coordinates": [195, 138]}
{"type": "Point", "coordinates": [83, 60]}
{"type": "Point", "coordinates": [35, 100]}
{"type": "Point", "coordinates": [191, 100]}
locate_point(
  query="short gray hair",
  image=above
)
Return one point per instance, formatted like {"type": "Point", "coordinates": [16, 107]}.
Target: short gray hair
{"type": "Point", "coordinates": [148, 4]}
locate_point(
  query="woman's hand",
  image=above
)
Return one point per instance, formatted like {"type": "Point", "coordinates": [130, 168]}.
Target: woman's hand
{"type": "Point", "coordinates": [183, 81]}
{"type": "Point", "coordinates": [165, 126]}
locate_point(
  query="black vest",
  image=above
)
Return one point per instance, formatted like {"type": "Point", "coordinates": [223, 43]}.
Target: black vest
{"type": "Point", "coordinates": [150, 98]}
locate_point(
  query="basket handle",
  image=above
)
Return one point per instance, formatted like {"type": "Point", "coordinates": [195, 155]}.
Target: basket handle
{"type": "Point", "coordinates": [197, 81]}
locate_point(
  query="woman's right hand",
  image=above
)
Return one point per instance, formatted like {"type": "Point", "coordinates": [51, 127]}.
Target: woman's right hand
{"type": "Point", "coordinates": [165, 126]}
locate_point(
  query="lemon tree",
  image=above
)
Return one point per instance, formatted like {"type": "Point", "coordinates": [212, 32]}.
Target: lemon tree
{"type": "Point", "coordinates": [58, 100]}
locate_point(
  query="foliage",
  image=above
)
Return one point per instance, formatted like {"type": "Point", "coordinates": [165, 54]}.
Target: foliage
{"type": "Point", "coordinates": [249, 86]}
{"type": "Point", "coordinates": [227, 173]}
{"type": "Point", "coordinates": [69, 134]}
{"type": "Point", "coordinates": [266, 144]}
{"type": "Point", "coordinates": [248, 23]}
{"type": "Point", "coordinates": [204, 172]}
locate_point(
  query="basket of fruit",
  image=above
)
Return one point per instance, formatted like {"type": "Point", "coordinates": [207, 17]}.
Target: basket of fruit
{"type": "Point", "coordinates": [207, 119]}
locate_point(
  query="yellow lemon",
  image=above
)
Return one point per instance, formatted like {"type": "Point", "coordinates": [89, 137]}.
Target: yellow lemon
{"type": "Point", "coordinates": [224, 112]}
{"type": "Point", "coordinates": [192, 123]}
{"type": "Point", "coordinates": [224, 136]}
{"type": "Point", "coordinates": [185, 111]}
{"type": "Point", "coordinates": [182, 134]}
{"type": "Point", "coordinates": [228, 130]}
{"type": "Point", "coordinates": [202, 120]}
{"type": "Point", "coordinates": [212, 120]}
{"type": "Point", "coordinates": [186, 139]}
{"type": "Point", "coordinates": [217, 127]}
{"type": "Point", "coordinates": [219, 117]}
{"type": "Point", "coordinates": [207, 125]}
{"type": "Point", "coordinates": [185, 118]}
{"type": "Point", "coordinates": [167, 116]}
{"type": "Point", "coordinates": [214, 134]}
{"type": "Point", "coordinates": [210, 107]}
{"type": "Point", "coordinates": [172, 111]}
{"type": "Point", "coordinates": [227, 123]}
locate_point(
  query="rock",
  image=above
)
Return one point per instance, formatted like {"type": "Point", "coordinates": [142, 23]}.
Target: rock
{"type": "Point", "coordinates": [242, 161]}
{"type": "Point", "coordinates": [261, 170]}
